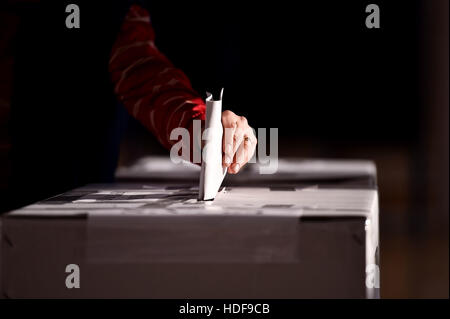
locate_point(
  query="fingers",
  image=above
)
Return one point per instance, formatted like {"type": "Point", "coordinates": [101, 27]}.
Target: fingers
{"type": "Point", "coordinates": [240, 159]}
{"type": "Point", "coordinates": [244, 152]}
{"type": "Point", "coordinates": [250, 143]}
{"type": "Point", "coordinates": [239, 142]}
{"type": "Point", "coordinates": [228, 145]}
{"type": "Point", "coordinates": [238, 138]}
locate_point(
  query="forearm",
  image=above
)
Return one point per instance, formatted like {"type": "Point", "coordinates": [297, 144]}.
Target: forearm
{"type": "Point", "coordinates": [159, 95]}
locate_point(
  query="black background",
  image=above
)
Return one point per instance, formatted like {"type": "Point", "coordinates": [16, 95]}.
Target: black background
{"type": "Point", "coordinates": [332, 87]}
{"type": "Point", "coordinates": [311, 69]}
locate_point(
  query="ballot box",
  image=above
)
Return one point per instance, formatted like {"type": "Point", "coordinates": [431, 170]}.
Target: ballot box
{"type": "Point", "coordinates": [308, 231]}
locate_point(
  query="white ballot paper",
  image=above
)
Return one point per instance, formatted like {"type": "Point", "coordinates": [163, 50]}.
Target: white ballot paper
{"type": "Point", "coordinates": [212, 172]}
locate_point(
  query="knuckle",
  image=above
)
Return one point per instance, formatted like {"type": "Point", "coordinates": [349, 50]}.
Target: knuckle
{"type": "Point", "coordinates": [227, 113]}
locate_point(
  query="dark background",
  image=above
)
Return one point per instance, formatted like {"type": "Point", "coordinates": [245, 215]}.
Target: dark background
{"type": "Point", "coordinates": [312, 69]}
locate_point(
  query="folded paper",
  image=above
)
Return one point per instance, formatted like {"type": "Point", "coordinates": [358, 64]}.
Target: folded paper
{"type": "Point", "coordinates": [212, 173]}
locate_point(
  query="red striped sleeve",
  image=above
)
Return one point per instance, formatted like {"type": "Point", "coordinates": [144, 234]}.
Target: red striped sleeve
{"type": "Point", "coordinates": [159, 95]}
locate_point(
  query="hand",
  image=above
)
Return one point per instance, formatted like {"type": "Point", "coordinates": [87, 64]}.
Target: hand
{"type": "Point", "coordinates": [239, 141]}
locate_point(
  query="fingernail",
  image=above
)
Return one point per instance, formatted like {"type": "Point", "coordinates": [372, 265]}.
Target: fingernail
{"type": "Point", "coordinates": [228, 148]}
{"type": "Point", "coordinates": [227, 160]}
{"type": "Point", "coordinates": [236, 168]}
